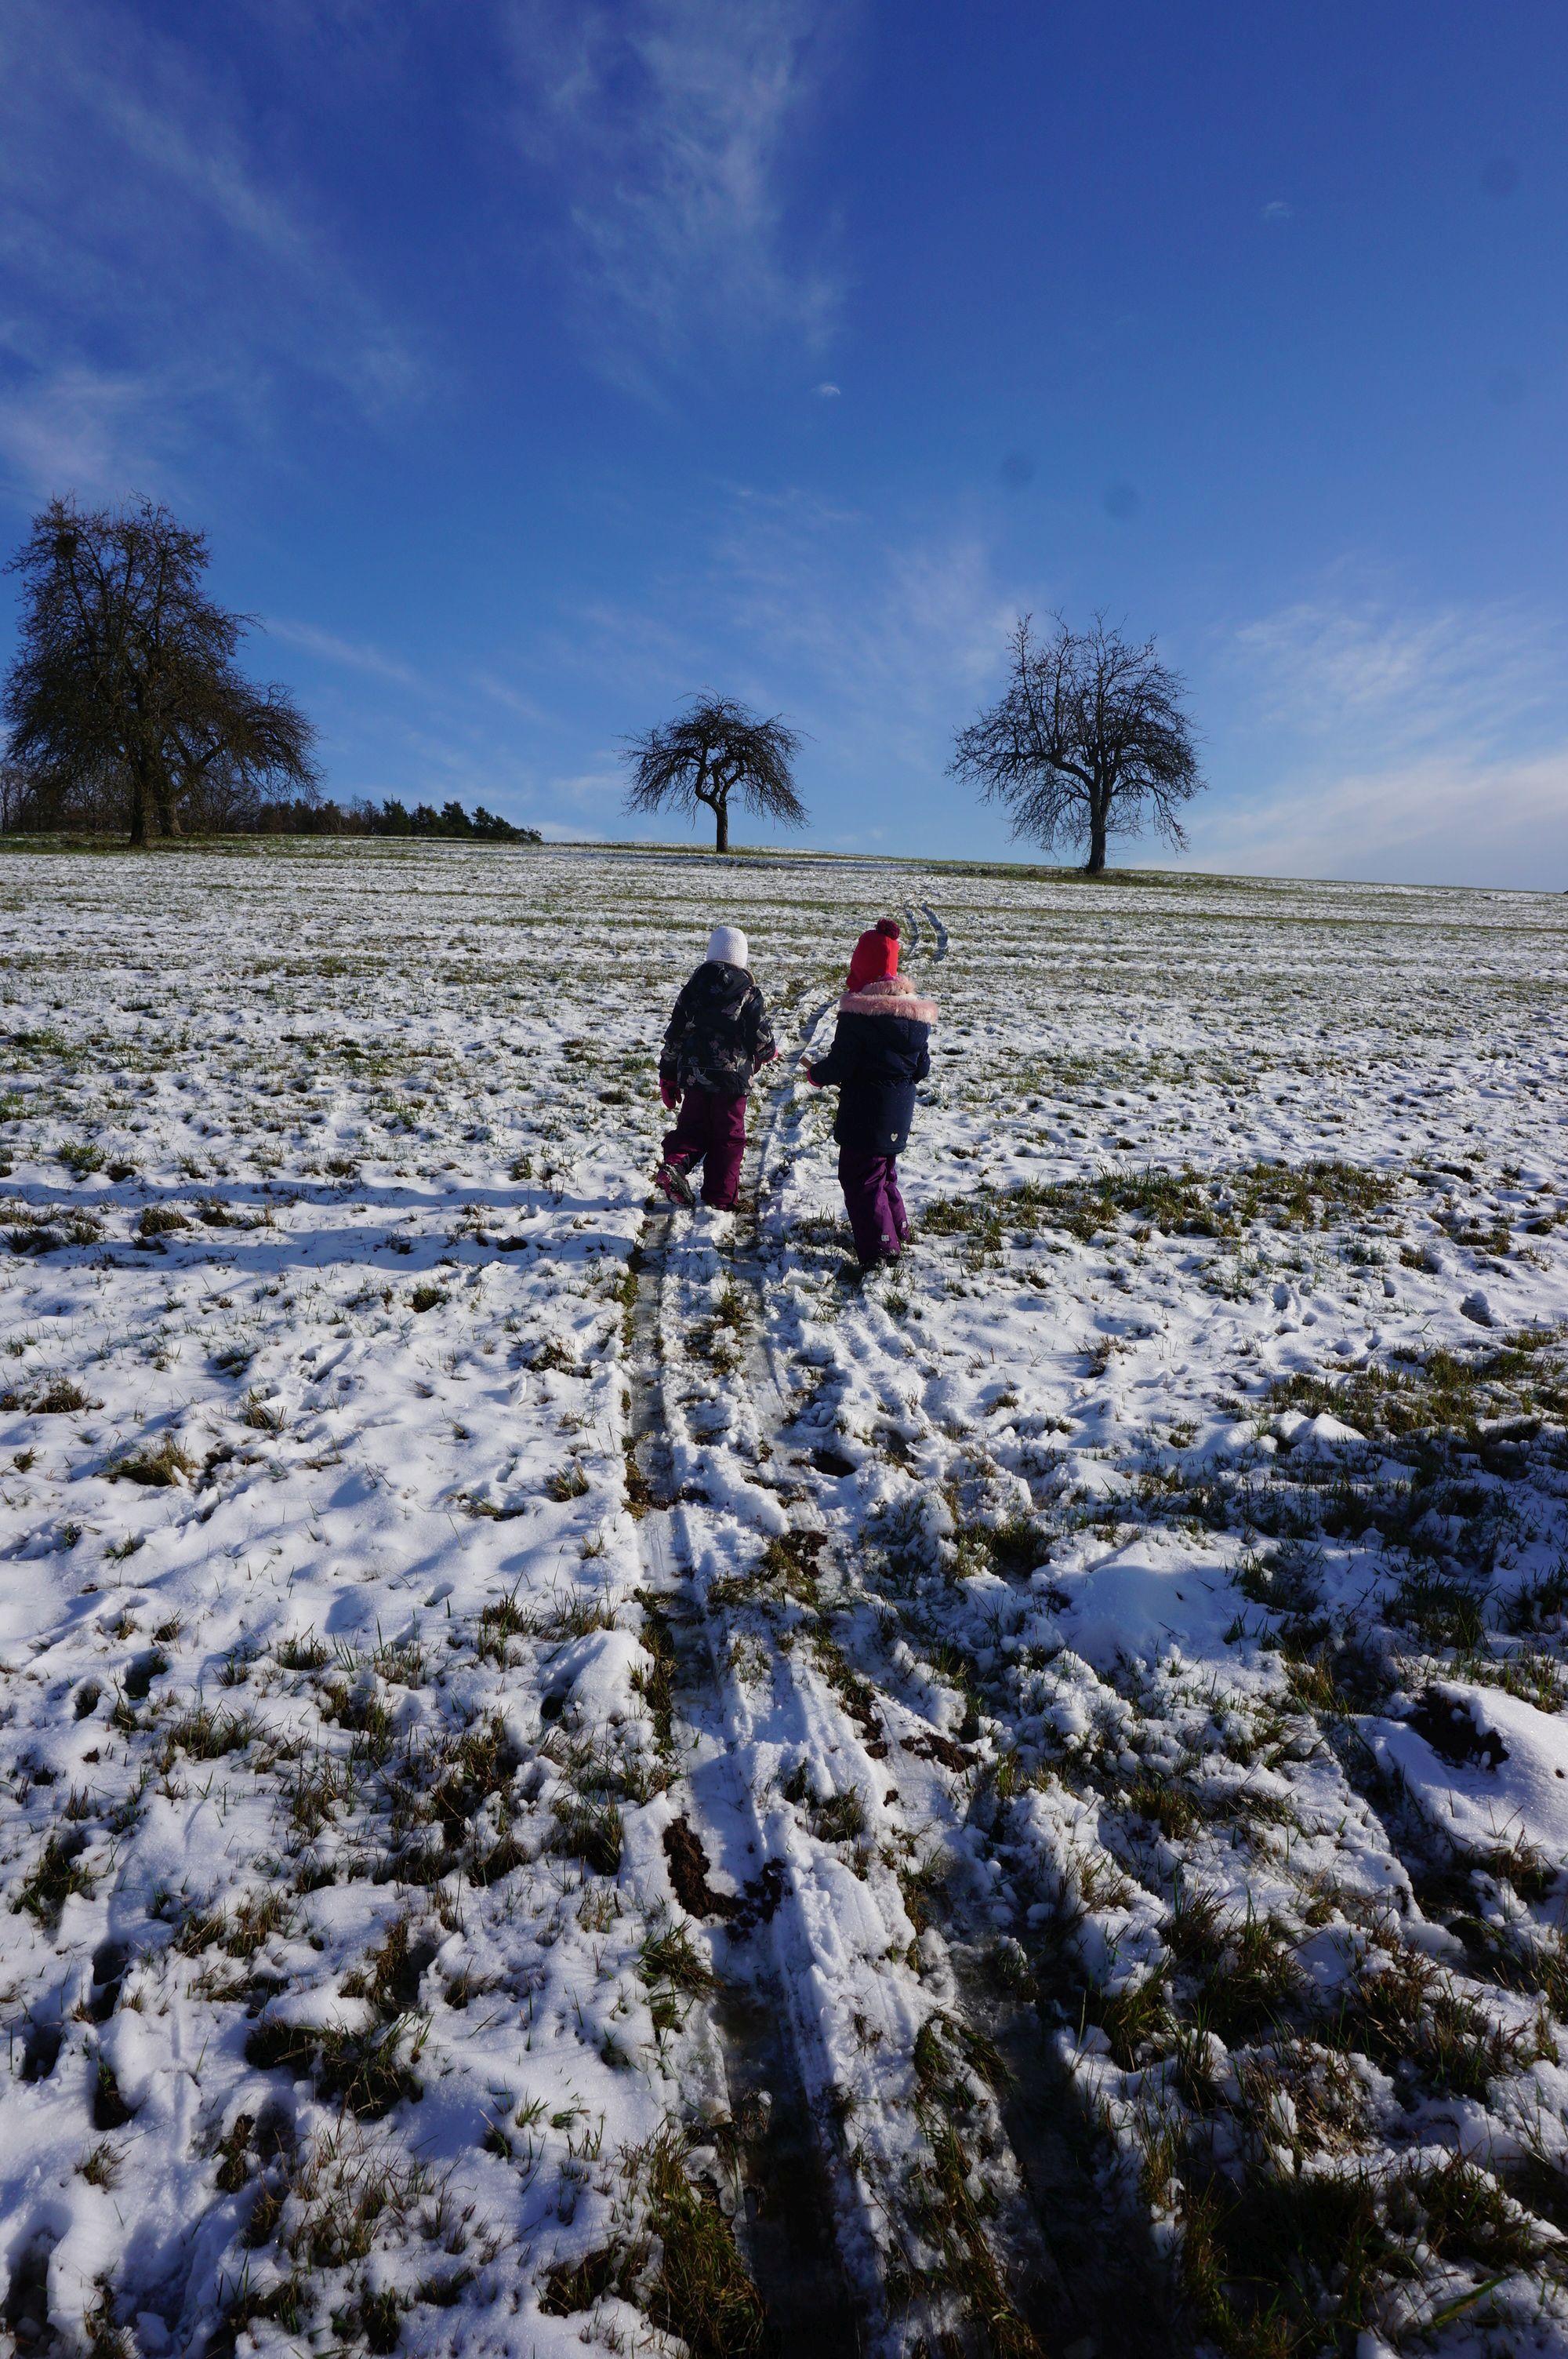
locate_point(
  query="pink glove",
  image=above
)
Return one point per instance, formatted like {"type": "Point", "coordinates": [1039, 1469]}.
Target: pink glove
{"type": "Point", "coordinates": [668, 1093]}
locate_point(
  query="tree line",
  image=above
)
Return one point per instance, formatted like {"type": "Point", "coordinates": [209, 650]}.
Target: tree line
{"type": "Point", "coordinates": [127, 712]}
{"type": "Point", "coordinates": [452, 822]}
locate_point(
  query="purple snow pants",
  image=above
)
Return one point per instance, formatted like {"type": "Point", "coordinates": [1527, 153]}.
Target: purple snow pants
{"type": "Point", "coordinates": [711, 1131]}
{"type": "Point", "coordinates": [877, 1217]}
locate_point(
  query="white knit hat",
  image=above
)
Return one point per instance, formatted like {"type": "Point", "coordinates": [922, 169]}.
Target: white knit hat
{"type": "Point", "coordinates": [727, 945]}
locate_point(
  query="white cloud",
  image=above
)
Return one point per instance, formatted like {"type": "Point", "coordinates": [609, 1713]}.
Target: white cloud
{"type": "Point", "coordinates": [513, 699]}
{"type": "Point", "coordinates": [353, 655]}
{"type": "Point", "coordinates": [79, 427]}
{"type": "Point", "coordinates": [1415, 747]}
{"type": "Point", "coordinates": [1437, 820]}
{"type": "Point", "coordinates": [157, 271]}
{"type": "Point", "coordinates": [667, 126]}
{"type": "Point", "coordinates": [1354, 672]}
{"type": "Point", "coordinates": [876, 645]}
{"type": "Point", "coordinates": [829, 392]}
{"type": "Point", "coordinates": [895, 629]}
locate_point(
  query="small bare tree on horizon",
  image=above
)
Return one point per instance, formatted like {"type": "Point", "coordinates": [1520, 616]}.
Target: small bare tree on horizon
{"type": "Point", "coordinates": [716, 749]}
{"type": "Point", "coordinates": [1088, 740]}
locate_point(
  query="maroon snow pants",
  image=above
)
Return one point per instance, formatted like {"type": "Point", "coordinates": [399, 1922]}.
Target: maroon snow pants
{"type": "Point", "coordinates": [711, 1131]}
{"type": "Point", "coordinates": [877, 1218]}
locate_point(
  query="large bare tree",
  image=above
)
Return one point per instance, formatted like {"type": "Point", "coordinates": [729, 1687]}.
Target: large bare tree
{"type": "Point", "coordinates": [125, 702]}
{"type": "Point", "coordinates": [1089, 741]}
{"type": "Point", "coordinates": [715, 750]}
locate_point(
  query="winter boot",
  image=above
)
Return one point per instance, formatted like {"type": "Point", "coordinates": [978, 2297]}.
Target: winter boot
{"type": "Point", "coordinates": [671, 1181]}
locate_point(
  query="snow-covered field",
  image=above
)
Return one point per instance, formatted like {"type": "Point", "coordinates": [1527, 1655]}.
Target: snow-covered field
{"type": "Point", "coordinates": [574, 1779]}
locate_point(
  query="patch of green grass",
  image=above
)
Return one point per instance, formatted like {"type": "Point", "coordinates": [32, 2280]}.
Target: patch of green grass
{"type": "Point", "coordinates": [656, 1686]}
{"type": "Point", "coordinates": [1539, 1604]}
{"type": "Point", "coordinates": [55, 1875]}
{"type": "Point", "coordinates": [467, 1772]}
{"type": "Point", "coordinates": [1180, 1203]}
{"type": "Point", "coordinates": [672, 1957]}
{"type": "Point", "coordinates": [1250, 1984]}
{"type": "Point", "coordinates": [951, 2214]}
{"type": "Point", "coordinates": [1441, 1392]}
{"type": "Point", "coordinates": [591, 1831]}
{"type": "Point", "coordinates": [1407, 2017]}
{"type": "Point", "coordinates": [160, 1220]}
{"type": "Point", "coordinates": [58, 1396]}
{"type": "Point", "coordinates": [1014, 1548]}
{"type": "Point", "coordinates": [158, 1466]}
{"type": "Point", "coordinates": [307, 1653]}
{"type": "Point", "coordinates": [1164, 1803]}
{"type": "Point", "coordinates": [1131, 2016]}
{"type": "Point", "coordinates": [1280, 2267]}
{"type": "Point", "coordinates": [208, 1735]}
{"type": "Point", "coordinates": [499, 1623]}
{"type": "Point", "coordinates": [704, 2292]}
{"type": "Point", "coordinates": [367, 2072]}
{"type": "Point", "coordinates": [841, 1818]}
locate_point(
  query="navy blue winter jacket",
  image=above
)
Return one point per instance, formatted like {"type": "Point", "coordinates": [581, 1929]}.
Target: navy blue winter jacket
{"type": "Point", "coordinates": [880, 1051]}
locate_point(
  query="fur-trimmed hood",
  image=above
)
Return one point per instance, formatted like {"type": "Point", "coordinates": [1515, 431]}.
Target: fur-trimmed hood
{"type": "Point", "coordinates": [889, 995]}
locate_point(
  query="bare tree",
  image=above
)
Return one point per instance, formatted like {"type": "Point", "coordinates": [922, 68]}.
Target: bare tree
{"type": "Point", "coordinates": [715, 750]}
{"type": "Point", "coordinates": [125, 702]}
{"type": "Point", "coordinates": [1089, 741]}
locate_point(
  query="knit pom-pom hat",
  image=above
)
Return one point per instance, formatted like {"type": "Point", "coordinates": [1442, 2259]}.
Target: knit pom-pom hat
{"type": "Point", "coordinates": [727, 947]}
{"type": "Point", "coordinates": [876, 955]}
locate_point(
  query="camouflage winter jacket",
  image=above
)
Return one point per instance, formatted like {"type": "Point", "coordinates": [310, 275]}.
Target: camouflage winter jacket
{"type": "Point", "coordinates": [719, 1034]}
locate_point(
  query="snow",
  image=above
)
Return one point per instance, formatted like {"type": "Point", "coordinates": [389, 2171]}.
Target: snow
{"type": "Point", "coordinates": [349, 1729]}
{"type": "Point", "coordinates": [1521, 1798]}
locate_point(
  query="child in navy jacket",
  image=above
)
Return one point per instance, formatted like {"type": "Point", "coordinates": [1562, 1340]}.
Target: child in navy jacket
{"type": "Point", "coordinates": [880, 1048]}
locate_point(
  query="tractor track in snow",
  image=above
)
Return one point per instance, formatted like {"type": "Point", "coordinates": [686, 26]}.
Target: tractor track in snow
{"type": "Point", "coordinates": [1028, 2279]}
{"type": "Point", "coordinates": [780, 2183]}
{"type": "Point", "coordinates": [1065, 2264]}
{"type": "Point", "coordinates": [833, 2209]}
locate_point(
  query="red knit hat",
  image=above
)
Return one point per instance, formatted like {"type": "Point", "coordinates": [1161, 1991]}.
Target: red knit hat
{"type": "Point", "coordinates": [876, 954]}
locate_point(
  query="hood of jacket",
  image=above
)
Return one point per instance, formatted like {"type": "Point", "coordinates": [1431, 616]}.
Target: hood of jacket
{"type": "Point", "coordinates": [720, 986]}
{"type": "Point", "coordinates": [889, 995]}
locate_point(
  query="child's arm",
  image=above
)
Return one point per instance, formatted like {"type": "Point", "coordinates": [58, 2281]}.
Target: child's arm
{"type": "Point", "coordinates": [669, 1054]}
{"type": "Point", "coordinates": [834, 1068]}
{"type": "Point", "coordinates": [764, 1048]}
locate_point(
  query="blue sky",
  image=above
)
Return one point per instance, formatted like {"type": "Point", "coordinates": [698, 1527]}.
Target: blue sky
{"type": "Point", "coordinates": [534, 362]}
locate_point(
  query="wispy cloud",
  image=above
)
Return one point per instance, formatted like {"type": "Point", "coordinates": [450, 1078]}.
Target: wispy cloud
{"type": "Point", "coordinates": [64, 424]}
{"type": "Point", "coordinates": [154, 272]}
{"type": "Point", "coordinates": [1359, 672]}
{"type": "Point", "coordinates": [1422, 746]}
{"type": "Point", "coordinates": [513, 700]}
{"type": "Point", "coordinates": [894, 633]}
{"type": "Point", "coordinates": [668, 127]}
{"type": "Point", "coordinates": [1436, 819]}
{"type": "Point", "coordinates": [353, 655]}
{"type": "Point", "coordinates": [876, 644]}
